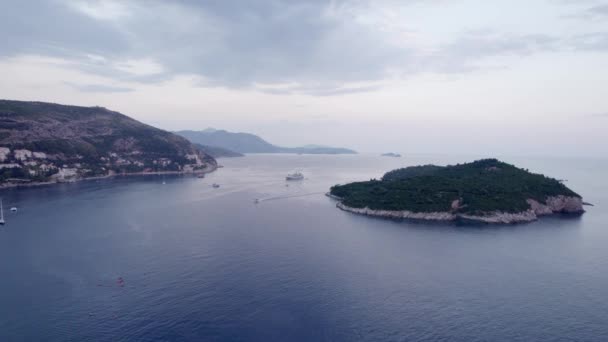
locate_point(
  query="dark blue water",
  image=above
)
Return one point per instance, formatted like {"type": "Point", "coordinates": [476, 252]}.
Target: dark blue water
{"type": "Point", "coordinates": [204, 264]}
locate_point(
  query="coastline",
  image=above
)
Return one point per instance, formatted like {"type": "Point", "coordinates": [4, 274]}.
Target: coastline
{"type": "Point", "coordinates": [554, 205]}
{"type": "Point", "coordinates": [74, 180]}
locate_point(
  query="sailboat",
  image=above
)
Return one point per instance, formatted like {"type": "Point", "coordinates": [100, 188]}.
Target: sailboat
{"type": "Point", "coordinates": [1, 213]}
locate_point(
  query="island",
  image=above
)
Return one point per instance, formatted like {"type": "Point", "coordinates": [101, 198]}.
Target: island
{"type": "Point", "coordinates": [391, 154]}
{"type": "Point", "coordinates": [42, 143]}
{"type": "Point", "coordinates": [487, 190]}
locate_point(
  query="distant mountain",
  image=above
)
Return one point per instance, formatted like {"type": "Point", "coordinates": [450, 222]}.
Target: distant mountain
{"type": "Point", "coordinates": [250, 143]}
{"type": "Point", "coordinates": [238, 142]}
{"type": "Point", "coordinates": [218, 152]}
{"type": "Point", "coordinates": [41, 142]}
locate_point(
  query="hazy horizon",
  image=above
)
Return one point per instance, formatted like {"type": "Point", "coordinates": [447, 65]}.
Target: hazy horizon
{"type": "Point", "coordinates": [436, 76]}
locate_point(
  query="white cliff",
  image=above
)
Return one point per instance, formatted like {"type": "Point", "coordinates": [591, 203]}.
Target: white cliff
{"type": "Point", "coordinates": [554, 205]}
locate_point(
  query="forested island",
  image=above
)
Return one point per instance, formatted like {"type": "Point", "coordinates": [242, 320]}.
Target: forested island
{"type": "Point", "coordinates": [486, 190]}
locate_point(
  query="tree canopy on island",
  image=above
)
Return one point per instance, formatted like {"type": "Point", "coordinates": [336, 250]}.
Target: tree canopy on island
{"type": "Point", "coordinates": [481, 186]}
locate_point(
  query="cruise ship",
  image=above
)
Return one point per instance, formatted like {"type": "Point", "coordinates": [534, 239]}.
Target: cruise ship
{"type": "Point", "coordinates": [295, 176]}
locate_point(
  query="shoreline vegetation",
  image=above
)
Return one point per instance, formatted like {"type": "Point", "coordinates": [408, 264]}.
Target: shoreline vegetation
{"type": "Point", "coordinates": [486, 191]}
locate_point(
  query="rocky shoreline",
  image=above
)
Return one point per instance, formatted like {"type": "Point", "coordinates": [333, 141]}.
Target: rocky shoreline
{"type": "Point", "coordinates": [554, 205]}
{"type": "Point", "coordinates": [210, 169]}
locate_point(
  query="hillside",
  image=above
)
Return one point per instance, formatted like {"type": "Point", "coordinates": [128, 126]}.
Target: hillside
{"type": "Point", "coordinates": [41, 142]}
{"type": "Point", "coordinates": [250, 143]}
{"type": "Point", "coordinates": [481, 190]}
{"type": "Point", "coordinates": [238, 142]}
{"type": "Point", "coordinates": [218, 152]}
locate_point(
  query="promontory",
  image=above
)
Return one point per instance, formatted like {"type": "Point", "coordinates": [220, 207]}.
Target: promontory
{"type": "Point", "coordinates": [486, 190]}
{"type": "Point", "coordinates": [46, 143]}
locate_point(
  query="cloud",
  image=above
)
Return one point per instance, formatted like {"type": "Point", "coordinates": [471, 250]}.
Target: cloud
{"type": "Point", "coordinates": [229, 43]}
{"type": "Point", "coordinates": [599, 10]}
{"type": "Point", "coordinates": [40, 27]}
{"type": "Point", "coordinates": [319, 47]}
{"type": "Point", "coordinates": [466, 52]}
{"type": "Point", "coordinates": [318, 90]}
{"type": "Point", "coordinates": [593, 9]}
{"type": "Point", "coordinates": [103, 10]}
{"type": "Point", "coordinates": [141, 67]}
{"type": "Point", "coordinates": [597, 41]}
{"type": "Point", "coordinates": [99, 88]}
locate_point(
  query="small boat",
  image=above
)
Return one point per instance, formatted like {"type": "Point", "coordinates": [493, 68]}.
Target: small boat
{"type": "Point", "coordinates": [13, 209]}
{"type": "Point", "coordinates": [295, 176]}
{"type": "Point", "coordinates": [1, 213]}
{"type": "Point", "coordinates": [391, 154]}
{"type": "Point", "coordinates": [215, 185]}
{"type": "Point", "coordinates": [257, 200]}
{"type": "Point", "coordinates": [201, 175]}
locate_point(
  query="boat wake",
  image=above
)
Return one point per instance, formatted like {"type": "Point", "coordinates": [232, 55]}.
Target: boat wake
{"type": "Point", "coordinates": [276, 198]}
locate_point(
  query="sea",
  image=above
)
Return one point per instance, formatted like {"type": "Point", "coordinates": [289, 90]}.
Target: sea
{"type": "Point", "coordinates": [171, 258]}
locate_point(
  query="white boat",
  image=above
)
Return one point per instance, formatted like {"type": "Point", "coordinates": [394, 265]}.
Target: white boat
{"type": "Point", "coordinates": [1, 213]}
{"type": "Point", "coordinates": [14, 209]}
{"type": "Point", "coordinates": [391, 154]}
{"type": "Point", "coordinates": [295, 176]}
{"type": "Point", "coordinates": [215, 185]}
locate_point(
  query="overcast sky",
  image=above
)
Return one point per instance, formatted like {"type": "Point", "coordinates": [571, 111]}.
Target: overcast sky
{"type": "Point", "coordinates": [488, 77]}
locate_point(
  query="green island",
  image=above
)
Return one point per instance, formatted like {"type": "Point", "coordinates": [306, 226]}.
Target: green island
{"type": "Point", "coordinates": [486, 190]}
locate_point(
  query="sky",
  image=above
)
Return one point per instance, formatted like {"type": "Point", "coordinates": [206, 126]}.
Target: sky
{"type": "Point", "coordinates": [500, 77]}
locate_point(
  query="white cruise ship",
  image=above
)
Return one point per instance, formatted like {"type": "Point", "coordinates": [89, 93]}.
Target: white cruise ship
{"type": "Point", "coordinates": [295, 176]}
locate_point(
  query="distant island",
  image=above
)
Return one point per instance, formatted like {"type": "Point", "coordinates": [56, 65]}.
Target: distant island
{"type": "Point", "coordinates": [486, 190]}
{"type": "Point", "coordinates": [250, 143]}
{"type": "Point", "coordinates": [390, 154]}
{"type": "Point", "coordinates": [46, 143]}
